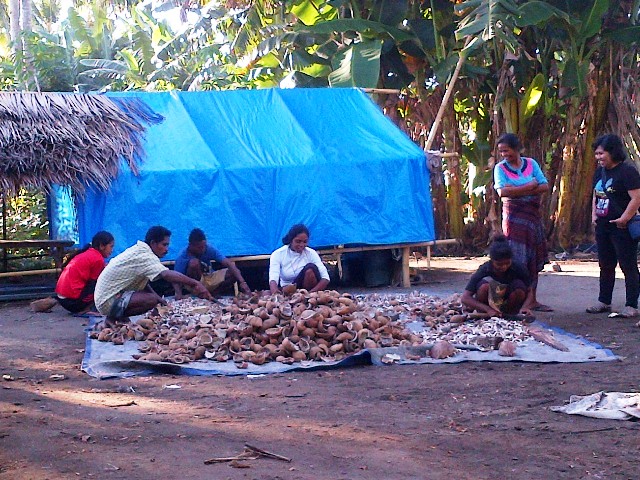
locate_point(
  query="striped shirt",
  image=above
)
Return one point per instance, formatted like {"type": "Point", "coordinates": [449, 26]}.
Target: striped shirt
{"type": "Point", "coordinates": [129, 271]}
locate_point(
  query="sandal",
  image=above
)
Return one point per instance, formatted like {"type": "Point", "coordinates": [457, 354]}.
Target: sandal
{"type": "Point", "coordinates": [599, 308]}
{"type": "Point", "coordinates": [542, 308]}
{"type": "Point", "coordinates": [628, 312]}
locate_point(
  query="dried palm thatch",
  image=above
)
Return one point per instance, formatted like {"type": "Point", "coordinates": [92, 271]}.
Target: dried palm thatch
{"type": "Point", "coordinates": [69, 139]}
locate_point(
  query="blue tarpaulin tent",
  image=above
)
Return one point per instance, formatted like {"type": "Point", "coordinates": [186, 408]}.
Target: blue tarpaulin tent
{"type": "Point", "coordinates": [245, 165]}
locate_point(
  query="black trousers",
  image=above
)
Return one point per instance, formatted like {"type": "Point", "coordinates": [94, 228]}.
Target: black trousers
{"type": "Point", "coordinates": [75, 305]}
{"type": "Point", "coordinates": [299, 281]}
{"type": "Point", "coordinates": [616, 247]}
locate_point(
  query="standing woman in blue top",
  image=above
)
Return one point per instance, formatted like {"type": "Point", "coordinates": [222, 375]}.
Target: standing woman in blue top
{"type": "Point", "coordinates": [616, 187]}
{"type": "Point", "coordinates": [520, 183]}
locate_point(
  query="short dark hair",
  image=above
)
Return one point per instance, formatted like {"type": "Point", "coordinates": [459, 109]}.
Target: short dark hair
{"type": "Point", "coordinates": [156, 234]}
{"type": "Point", "coordinates": [293, 232]}
{"type": "Point", "coordinates": [500, 248]}
{"type": "Point", "coordinates": [511, 140]}
{"type": "Point", "coordinates": [613, 145]}
{"type": "Point", "coordinates": [101, 238]}
{"type": "Point", "coordinates": [197, 235]}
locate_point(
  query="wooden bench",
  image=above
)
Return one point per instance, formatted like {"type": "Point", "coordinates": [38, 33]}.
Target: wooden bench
{"type": "Point", "coordinates": [405, 247]}
{"type": "Point", "coordinates": [54, 248]}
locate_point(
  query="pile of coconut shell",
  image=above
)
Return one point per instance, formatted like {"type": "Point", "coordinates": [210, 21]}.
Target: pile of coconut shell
{"type": "Point", "coordinates": [300, 327]}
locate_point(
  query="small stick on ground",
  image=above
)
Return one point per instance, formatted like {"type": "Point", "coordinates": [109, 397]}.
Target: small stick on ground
{"type": "Point", "coordinates": [264, 453]}
{"type": "Point", "coordinates": [124, 404]}
{"type": "Point", "coordinates": [246, 455]}
{"type": "Point", "coordinates": [250, 453]}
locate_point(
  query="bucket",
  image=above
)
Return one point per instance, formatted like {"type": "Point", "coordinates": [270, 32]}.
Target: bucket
{"type": "Point", "coordinates": [377, 268]}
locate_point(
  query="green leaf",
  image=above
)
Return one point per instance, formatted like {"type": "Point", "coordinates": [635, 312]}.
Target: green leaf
{"type": "Point", "coordinates": [482, 178]}
{"type": "Point", "coordinates": [423, 30]}
{"type": "Point", "coordinates": [626, 36]}
{"type": "Point", "coordinates": [486, 20]}
{"type": "Point", "coordinates": [100, 63]}
{"type": "Point", "coordinates": [99, 72]}
{"type": "Point", "coordinates": [530, 101]}
{"type": "Point", "coordinates": [537, 13]}
{"type": "Point", "coordinates": [469, 70]}
{"type": "Point", "coordinates": [443, 70]}
{"type": "Point", "coordinates": [301, 80]}
{"type": "Point", "coordinates": [359, 66]}
{"type": "Point", "coordinates": [574, 76]}
{"type": "Point", "coordinates": [477, 153]}
{"type": "Point", "coordinates": [81, 30]}
{"type": "Point", "coordinates": [130, 60]}
{"type": "Point", "coordinates": [269, 61]}
{"type": "Point", "coordinates": [593, 20]}
{"type": "Point", "coordinates": [317, 70]}
{"type": "Point", "coordinates": [390, 12]}
{"type": "Point", "coordinates": [366, 27]}
{"type": "Point", "coordinates": [143, 43]}
{"type": "Point", "coordinates": [310, 12]}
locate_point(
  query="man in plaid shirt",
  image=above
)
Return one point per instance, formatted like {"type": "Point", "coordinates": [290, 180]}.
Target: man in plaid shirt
{"type": "Point", "coordinates": [123, 286]}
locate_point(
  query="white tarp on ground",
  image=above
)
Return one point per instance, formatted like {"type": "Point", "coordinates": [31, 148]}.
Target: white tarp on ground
{"type": "Point", "coordinates": [106, 360]}
{"type": "Point", "coordinates": [607, 405]}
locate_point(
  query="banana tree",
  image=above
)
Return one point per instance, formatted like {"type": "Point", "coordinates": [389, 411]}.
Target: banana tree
{"type": "Point", "coordinates": [584, 98]}
{"type": "Point", "coordinates": [122, 65]}
{"type": "Point", "coordinates": [321, 42]}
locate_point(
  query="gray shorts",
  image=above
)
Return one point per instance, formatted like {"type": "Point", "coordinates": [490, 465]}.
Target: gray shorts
{"type": "Point", "coordinates": [120, 304]}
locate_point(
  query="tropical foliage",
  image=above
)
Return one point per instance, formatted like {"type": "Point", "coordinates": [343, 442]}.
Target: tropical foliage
{"type": "Point", "coordinates": [556, 72]}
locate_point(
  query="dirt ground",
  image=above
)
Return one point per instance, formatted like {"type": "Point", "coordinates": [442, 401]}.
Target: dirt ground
{"type": "Point", "coordinates": [469, 420]}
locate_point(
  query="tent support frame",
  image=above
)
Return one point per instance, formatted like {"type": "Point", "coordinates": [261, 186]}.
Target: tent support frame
{"type": "Point", "coordinates": [405, 247]}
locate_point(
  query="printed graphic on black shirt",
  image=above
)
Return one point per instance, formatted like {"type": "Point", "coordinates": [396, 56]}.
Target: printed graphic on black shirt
{"type": "Point", "coordinates": [602, 201]}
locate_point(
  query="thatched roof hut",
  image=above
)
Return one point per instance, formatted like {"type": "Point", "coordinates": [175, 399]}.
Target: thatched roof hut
{"type": "Point", "coordinates": [76, 140]}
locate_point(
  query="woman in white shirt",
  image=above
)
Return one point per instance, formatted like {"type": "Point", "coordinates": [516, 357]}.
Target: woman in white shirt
{"type": "Point", "coordinates": [296, 263]}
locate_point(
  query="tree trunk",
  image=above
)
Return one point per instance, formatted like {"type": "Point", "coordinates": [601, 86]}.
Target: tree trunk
{"type": "Point", "coordinates": [567, 191]}
{"type": "Point", "coordinates": [599, 99]}
{"type": "Point", "coordinates": [27, 15]}
{"type": "Point", "coordinates": [14, 23]}
{"type": "Point", "coordinates": [454, 201]}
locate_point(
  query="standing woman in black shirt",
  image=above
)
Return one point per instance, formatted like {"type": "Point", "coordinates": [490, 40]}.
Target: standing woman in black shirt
{"type": "Point", "coordinates": [500, 285]}
{"type": "Point", "coordinates": [616, 198]}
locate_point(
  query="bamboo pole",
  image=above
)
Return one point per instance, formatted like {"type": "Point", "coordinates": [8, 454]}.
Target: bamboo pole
{"type": "Point", "coordinates": [445, 99]}
{"type": "Point", "coordinates": [382, 90]}
{"type": "Point", "coordinates": [444, 154]}
{"type": "Point", "coordinates": [26, 273]}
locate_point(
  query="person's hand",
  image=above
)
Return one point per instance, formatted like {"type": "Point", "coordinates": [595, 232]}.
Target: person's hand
{"type": "Point", "coordinates": [619, 222]}
{"type": "Point", "coordinates": [244, 286]}
{"type": "Point", "coordinates": [161, 300]}
{"type": "Point", "coordinates": [493, 312]}
{"type": "Point", "coordinates": [201, 291]}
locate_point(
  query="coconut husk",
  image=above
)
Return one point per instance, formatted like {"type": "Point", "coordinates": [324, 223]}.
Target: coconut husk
{"type": "Point", "coordinates": [43, 304]}
{"type": "Point", "coordinates": [214, 279]}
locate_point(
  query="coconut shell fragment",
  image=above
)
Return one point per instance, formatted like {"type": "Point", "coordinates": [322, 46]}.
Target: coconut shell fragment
{"type": "Point", "coordinates": [301, 326]}
{"type": "Point", "coordinates": [507, 348]}
{"type": "Point", "coordinates": [442, 349]}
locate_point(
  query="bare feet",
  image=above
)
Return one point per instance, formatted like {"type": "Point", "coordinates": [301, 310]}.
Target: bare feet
{"type": "Point", "coordinates": [113, 322]}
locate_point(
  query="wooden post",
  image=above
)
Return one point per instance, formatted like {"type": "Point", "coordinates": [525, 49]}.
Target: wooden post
{"type": "Point", "coordinates": [406, 275]}
{"type": "Point", "coordinates": [5, 262]}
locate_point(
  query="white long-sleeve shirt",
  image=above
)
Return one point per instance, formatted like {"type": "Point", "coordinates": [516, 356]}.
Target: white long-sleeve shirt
{"type": "Point", "coordinates": [285, 264]}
